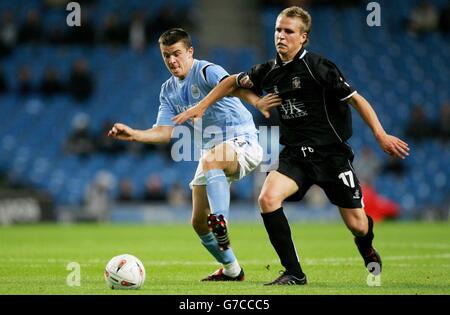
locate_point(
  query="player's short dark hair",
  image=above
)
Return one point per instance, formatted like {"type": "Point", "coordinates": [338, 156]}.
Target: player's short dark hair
{"type": "Point", "coordinates": [175, 35]}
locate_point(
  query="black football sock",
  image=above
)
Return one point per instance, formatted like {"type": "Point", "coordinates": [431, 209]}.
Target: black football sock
{"type": "Point", "coordinates": [364, 243]}
{"type": "Point", "coordinates": [279, 232]}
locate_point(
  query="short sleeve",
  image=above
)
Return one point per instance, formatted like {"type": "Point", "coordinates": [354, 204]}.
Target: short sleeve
{"type": "Point", "coordinates": [333, 80]}
{"type": "Point", "coordinates": [257, 74]}
{"type": "Point", "coordinates": [214, 74]}
{"type": "Point", "coordinates": [165, 112]}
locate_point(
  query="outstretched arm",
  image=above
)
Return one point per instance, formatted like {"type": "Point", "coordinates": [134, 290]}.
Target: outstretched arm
{"type": "Point", "coordinates": [158, 134]}
{"type": "Point", "coordinates": [390, 144]}
{"type": "Point", "coordinates": [226, 87]}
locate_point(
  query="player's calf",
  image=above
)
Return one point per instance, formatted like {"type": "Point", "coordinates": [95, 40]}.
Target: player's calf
{"type": "Point", "coordinates": [366, 249]}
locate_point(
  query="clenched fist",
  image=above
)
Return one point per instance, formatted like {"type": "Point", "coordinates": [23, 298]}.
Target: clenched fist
{"type": "Point", "coordinates": [121, 132]}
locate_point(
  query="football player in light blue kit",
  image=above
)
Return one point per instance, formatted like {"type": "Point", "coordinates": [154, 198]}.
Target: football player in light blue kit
{"type": "Point", "coordinates": [230, 148]}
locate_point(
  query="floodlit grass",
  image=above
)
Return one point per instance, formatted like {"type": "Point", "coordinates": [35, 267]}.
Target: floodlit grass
{"type": "Point", "coordinates": [33, 259]}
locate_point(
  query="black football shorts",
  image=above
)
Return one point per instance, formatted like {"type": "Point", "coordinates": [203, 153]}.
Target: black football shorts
{"type": "Point", "coordinates": [329, 167]}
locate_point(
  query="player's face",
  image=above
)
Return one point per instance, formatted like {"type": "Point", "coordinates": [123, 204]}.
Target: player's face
{"type": "Point", "coordinates": [289, 37]}
{"type": "Point", "coordinates": [178, 59]}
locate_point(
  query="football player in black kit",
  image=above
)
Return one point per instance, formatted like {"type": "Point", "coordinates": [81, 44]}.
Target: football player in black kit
{"type": "Point", "coordinates": [312, 97]}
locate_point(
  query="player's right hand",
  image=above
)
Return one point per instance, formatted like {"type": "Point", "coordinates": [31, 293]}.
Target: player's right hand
{"type": "Point", "coordinates": [194, 113]}
{"type": "Point", "coordinates": [121, 132]}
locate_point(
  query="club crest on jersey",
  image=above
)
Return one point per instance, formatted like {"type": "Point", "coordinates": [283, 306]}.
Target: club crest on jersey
{"type": "Point", "coordinates": [296, 84]}
{"type": "Point", "coordinates": [195, 91]}
{"type": "Point", "coordinates": [275, 89]}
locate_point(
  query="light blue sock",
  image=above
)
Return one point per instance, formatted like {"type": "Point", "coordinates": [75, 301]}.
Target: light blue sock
{"type": "Point", "coordinates": [222, 256]}
{"type": "Point", "coordinates": [218, 192]}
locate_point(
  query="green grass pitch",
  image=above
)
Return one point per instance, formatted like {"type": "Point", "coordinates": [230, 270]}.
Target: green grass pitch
{"type": "Point", "coordinates": [34, 258]}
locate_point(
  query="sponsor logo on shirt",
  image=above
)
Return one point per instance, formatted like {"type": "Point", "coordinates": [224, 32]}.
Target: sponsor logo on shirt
{"type": "Point", "coordinates": [291, 108]}
{"type": "Point", "coordinates": [183, 108]}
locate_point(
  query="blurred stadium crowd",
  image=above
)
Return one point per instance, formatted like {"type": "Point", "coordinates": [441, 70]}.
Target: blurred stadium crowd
{"type": "Point", "coordinates": [61, 88]}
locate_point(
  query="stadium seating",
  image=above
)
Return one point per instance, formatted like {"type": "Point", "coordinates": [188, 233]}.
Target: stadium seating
{"type": "Point", "coordinates": [392, 70]}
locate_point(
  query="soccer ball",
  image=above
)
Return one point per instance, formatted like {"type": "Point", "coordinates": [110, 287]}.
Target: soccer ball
{"type": "Point", "coordinates": [125, 272]}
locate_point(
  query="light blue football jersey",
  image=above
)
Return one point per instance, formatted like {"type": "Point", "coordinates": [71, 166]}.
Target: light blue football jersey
{"type": "Point", "coordinates": [224, 120]}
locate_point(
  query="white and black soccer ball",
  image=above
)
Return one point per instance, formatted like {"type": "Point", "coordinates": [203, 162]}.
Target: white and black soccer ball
{"type": "Point", "coordinates": [125, 272]}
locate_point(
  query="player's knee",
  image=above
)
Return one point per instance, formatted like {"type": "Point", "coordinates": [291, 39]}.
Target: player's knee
{"type": "Point", "coordinates": [209, 163]}
{"type": "Point", "coordinates": [269, 201]}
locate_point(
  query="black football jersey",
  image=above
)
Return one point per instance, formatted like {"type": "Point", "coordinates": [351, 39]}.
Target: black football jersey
{"type": "Point", "coordinates": [314, 93]}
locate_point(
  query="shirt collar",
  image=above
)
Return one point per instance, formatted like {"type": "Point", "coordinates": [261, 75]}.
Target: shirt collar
{"type": "Point", "coordinates": [302, 52]}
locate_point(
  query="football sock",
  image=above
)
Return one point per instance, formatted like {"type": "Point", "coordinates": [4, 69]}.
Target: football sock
{"type": "Point", "coordinates": [279, 232]}
{"type": "Point", "coordinates": [218, 192]}
{"type": "Point", "coordinates": [224, 257]}
{"type": "Point", "coordinates": [364, 243]}
{"type": "Point", "coordinates": [232, 269]}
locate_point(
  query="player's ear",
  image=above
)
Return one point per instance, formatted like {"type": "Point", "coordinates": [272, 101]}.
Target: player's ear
{"type": "Point", "coordinates": [191, 51]}
{"type": "Point", "coordinates": [303, 38]}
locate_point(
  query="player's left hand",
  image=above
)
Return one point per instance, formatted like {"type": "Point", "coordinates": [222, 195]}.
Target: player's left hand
{"type": "Point", "coordinates": [394, 146]}
{"type": "Point", "coordinates": [194, 113]}
{"type": "Point", "coordinates": [266, 103]}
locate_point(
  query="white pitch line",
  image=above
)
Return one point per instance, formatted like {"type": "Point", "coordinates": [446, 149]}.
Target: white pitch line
{"type": "Point", "coordinates": [424, 245]}
{"type": "Point", "coordinates": [308, 261]}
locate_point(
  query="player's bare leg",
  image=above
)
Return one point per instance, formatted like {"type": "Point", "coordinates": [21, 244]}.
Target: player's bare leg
{"type": "Point", "coordinates": [200, 210]}
{"type": "Point", "coordinates": [361, 226]}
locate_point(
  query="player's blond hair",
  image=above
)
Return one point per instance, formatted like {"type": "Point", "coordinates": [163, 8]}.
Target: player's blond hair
{"type": "Point", "coordinates": [300, 13]}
